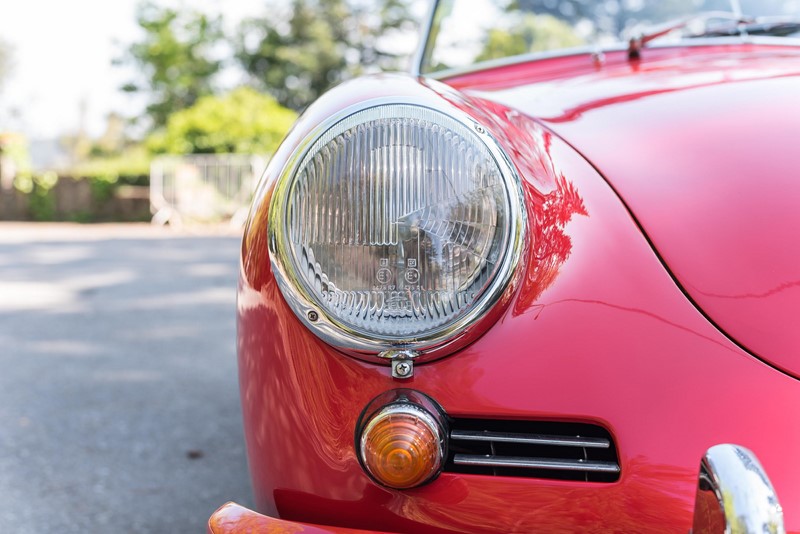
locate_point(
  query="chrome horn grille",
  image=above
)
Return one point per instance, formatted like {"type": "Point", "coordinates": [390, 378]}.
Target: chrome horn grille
{"type": "Point", "coordinates": [565, 451]}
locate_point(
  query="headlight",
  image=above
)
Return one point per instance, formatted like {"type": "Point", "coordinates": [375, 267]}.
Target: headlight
{"type": "Point", "coordinates": [395, 226]}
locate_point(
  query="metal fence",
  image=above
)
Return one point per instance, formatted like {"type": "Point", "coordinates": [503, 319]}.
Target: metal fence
{"type": "Point", "coordinates": [203, 188]}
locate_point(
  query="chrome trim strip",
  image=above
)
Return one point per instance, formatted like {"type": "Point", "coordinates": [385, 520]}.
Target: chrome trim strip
{"type": "Point", "coordinates": [734, 492]}
{"type": "Point", "coordinates": [424, 40]}
{"type": "Point", "coordinates": [536, 463]}
{"type": "Point", "coordinates": [591, 51]}
{"type": "Point", "coordinates": [530, 439]}
{"type": "Point", "coordinates": [588, 51]}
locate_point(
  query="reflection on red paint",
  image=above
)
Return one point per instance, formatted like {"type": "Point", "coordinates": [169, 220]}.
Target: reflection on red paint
{"type": "Point", "coordinates": [552, 200]}
{"type": "Point", "coordinates": [551, 244]}
{"type": "Point", "coordinates": [255, 262]}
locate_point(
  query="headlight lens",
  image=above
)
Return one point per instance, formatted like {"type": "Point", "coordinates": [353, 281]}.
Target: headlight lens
{"type": "Point", "coordinates": [395, 224]}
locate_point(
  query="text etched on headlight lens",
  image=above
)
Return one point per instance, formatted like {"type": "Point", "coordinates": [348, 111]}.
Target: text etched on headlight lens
{"type": "Point", "coordinates": [398, 220]}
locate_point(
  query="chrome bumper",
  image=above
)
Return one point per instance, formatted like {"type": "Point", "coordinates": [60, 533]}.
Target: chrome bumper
{"type": "Point", "coordinates": [734, 494]}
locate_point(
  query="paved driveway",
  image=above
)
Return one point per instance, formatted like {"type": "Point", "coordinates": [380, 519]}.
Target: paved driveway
{"type": "Point", "coordinates": [119, 407]}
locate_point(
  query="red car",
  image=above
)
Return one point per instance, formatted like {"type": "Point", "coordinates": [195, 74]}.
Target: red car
{"type": "Point", "coordinates": [550, 282]}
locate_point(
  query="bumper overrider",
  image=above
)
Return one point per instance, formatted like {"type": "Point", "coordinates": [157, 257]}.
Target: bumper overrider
{"type": "Point", "coordinates": [234, 519]}
{"type": "Point", "coordinates": [590, 395]}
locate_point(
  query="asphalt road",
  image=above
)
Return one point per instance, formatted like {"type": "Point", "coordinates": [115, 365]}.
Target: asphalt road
{"type": "Point", "coordinates": [119, 403]}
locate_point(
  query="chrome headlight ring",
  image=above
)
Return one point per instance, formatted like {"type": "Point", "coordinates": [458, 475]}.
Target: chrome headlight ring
{"type": "Point", "coordinates": [312, 288]}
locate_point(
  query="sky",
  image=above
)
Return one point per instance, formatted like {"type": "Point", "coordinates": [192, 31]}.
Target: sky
{"type": "Point", "coordinates": [61, 56]}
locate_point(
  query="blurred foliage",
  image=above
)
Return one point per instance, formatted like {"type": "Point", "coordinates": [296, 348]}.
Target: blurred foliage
{"type": "Point", "coordinates": [616, 16]}
{"type": "Point", "coordinates": [29, 183]}
{"type": "Point", "coordinates": [513, 27]}
{"type": "Point", "coordinates": [102, 188]}
{"type": "Point", "coordinates": [14, 147]}
{"type": "Point", "coordinates": [130, 163]}
{"type": "Point", "coordinates": [39, 191]}
{"type": "Point", "coordinates": [295, 51]}
{"type": "Point", "coordinates": [104, 180]}
{"type": "Point", "coordinates": [243, 121]}
{"type": "Point", "coordinates": [104, 175]}
{"type": "Point", "coordinates": [532, 33]}
{"type": "Point", "coordinates": [36, 187]}
{"type": "Point", "coordinates": [77, 145]}
{"type": "Point", "coordinates": [299, 53]}
{"type": "Point", "coordinates": [176, 57]}
{"type": "Point", "coordinates": [113, 139]}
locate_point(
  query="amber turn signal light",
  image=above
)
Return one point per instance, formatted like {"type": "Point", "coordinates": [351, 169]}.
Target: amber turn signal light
{"type": "Point", "coordinates": [401, 446]}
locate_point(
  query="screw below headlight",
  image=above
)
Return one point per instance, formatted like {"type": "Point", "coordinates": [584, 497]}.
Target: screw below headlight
{"type": "Point", "coordinates": [402, 362]}
{"type": "Point", "coordinates": [402, 369]}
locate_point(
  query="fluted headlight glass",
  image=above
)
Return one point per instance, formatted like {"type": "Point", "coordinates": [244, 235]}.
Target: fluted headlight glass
{"type": "Point", "coordinates": [398, 219]}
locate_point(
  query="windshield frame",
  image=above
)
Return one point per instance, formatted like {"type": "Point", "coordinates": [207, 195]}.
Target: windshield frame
{"type": "Point", "coordinates": [425, 44]}
{"type": "Point", "coordinates": [425, 49]}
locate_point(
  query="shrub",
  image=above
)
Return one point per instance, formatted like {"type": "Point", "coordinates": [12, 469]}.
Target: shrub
{"type": "Point", "coordinates": [243, 121]}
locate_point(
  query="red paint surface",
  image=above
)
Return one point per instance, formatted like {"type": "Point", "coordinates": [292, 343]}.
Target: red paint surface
{"type": "Point", "coordinates": [701, 145]}
{"type": "Point", "coordinates": [596, 331]}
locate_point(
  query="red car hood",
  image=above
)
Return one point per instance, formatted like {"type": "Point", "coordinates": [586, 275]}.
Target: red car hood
{"type": "Point", "coordinates": [703, 145]}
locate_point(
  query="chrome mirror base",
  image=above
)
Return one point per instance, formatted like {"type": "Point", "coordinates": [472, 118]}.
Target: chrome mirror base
{"type": "Point", "coordinates": [734, 494]}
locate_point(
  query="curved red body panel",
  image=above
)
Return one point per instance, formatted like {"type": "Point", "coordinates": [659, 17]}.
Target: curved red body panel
{"type": "Point", "coordinates": [700, 144]}
{"type": "Point", "coordinates": [596, 331]}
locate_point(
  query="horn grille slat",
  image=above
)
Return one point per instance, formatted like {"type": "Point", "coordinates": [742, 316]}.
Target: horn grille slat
{"type": "Point", "coordinates": [533, 449]}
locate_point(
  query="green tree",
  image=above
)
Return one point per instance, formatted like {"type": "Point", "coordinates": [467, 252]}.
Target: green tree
{"type": "Point", "coordinates": [300, 53]}
{"type": "Point", "coordinates": [615, 16]}
{"type": "Point", "coordinates": [532, 33]}
{"type": "Point", "coordinates": [176, 57]}
{"type": "Point", "coordinates": [241, 121]}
